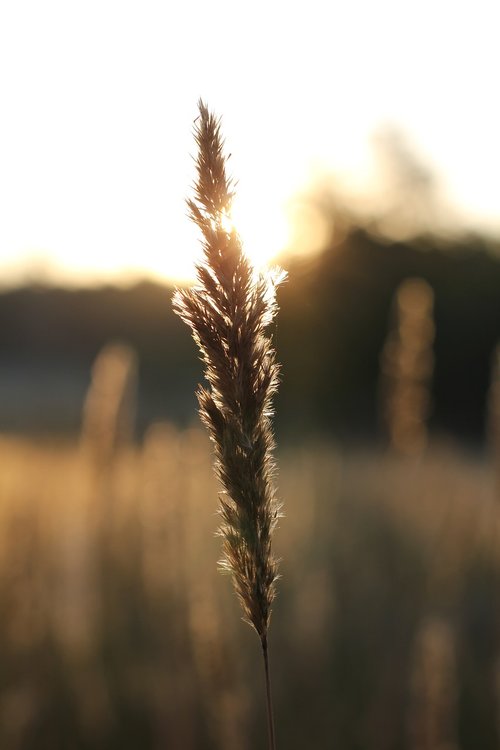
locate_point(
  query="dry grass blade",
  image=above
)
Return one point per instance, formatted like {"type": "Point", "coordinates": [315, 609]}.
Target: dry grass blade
{"type": "Point", "coordinates": [228, 312]}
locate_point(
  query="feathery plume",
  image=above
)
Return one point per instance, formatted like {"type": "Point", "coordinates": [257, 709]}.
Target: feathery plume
{"type": "Point", "coordinates": [228, 312]}
{"type": "Point", "coordinates": [407, 363]}
{"type": "Point", "coordinates": [109, 408]}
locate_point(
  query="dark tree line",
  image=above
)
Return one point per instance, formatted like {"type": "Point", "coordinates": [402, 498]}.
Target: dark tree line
{"type": "Point", "coordinates": [334, 317]}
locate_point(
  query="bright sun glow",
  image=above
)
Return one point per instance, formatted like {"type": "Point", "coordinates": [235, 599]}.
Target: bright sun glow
{"type": "Point", "coordinates": [94, 147]}
{"type": "Point", "coordinates": [227, 223]}
{"type": "Point", "coordinates": [264, 234]}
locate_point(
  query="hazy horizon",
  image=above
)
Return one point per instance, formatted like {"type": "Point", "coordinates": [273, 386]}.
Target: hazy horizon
{"type": "Point", "coordinates": [99, 103]}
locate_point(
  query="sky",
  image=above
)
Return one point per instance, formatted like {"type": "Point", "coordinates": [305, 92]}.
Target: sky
{"type": "Point", "coordinates": [98, 98]}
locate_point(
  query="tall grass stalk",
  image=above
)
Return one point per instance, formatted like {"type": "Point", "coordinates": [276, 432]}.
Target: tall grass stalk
{"type": "Point", "coordinates": [228, 312]}
{"type": "Point", "coordinates": [407, 364]}
{"type": "Point", "coordinates": [110, 404]}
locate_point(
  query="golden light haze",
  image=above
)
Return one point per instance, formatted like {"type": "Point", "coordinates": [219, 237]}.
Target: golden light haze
{"type": "Point", "coordinates": [98, 101]}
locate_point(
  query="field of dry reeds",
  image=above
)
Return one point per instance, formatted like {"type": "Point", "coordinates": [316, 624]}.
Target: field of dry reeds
{"type": "Point", "coordinates": [118, 632]}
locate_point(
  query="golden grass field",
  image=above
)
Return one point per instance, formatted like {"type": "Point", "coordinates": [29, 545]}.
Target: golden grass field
{"type": "Point", "coordinates": [116, 630]}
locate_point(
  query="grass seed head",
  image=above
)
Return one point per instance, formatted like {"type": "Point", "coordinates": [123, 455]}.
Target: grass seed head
{"type": "Point", "coordinates": [228, 312]}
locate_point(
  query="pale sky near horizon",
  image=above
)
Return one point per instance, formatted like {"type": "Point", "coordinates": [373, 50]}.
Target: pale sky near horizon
{"type": "Point", "coordinates": [97, 101]}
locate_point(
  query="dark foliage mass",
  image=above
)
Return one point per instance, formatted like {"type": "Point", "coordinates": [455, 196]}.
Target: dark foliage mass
{"type": "Point", "coordinates": [334, 320]}
{"type": "Point", "coordinates": [335, 311]}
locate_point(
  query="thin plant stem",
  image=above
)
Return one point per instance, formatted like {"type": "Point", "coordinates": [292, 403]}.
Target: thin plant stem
{"type": "Point", "coordinates": [269, 696]}
{"type": "Point", "coordinates": [229, 311]}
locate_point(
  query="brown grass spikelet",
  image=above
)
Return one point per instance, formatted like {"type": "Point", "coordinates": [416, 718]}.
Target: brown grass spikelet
{"type": "Point", "coordinates": [407, 363]}
{"type": "Point", "coordinates": [228, 312]}
{"type": "Point", "coordinates": [109, 408]}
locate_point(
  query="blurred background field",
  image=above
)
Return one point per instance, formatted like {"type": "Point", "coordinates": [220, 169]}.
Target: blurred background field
{"type": "Point", "coordinates": [116, 629]}
{"type": "Point", "coordinates": [118, 632]}
{"type": "Point", "coordinates": [365, 142]}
